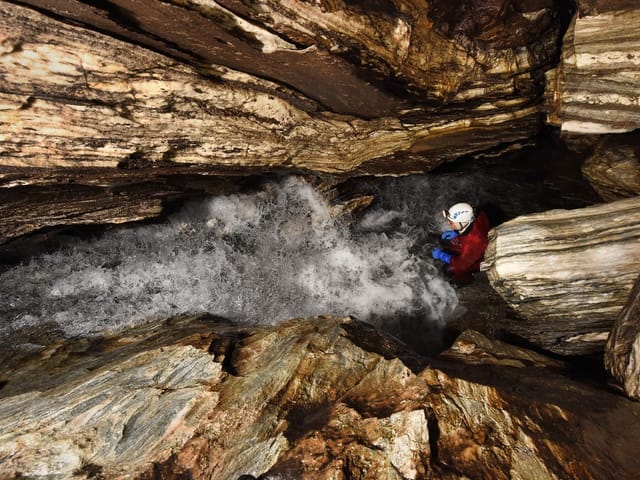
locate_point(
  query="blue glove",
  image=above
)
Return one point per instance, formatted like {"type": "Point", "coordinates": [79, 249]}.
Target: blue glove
{"type": "Point", "coordinates": [441, 255]}
{"type": "Point", "coordinates": [449, 235]}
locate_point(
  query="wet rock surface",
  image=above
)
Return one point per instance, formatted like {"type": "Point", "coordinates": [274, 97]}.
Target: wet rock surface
{"type": "Point", "coordinates": [314, 398]}
{"type": "Point", "coordinates": [118, 111]}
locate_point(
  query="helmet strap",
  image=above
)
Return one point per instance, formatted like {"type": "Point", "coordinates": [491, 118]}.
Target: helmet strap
{"type": "Point", "coordinates": [465, 226]}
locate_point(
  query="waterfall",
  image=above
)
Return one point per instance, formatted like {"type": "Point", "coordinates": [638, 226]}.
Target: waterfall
{"type": "Point", "coordinates": [255, 258]}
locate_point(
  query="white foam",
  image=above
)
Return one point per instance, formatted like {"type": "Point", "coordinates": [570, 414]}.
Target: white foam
{"type": "Point", "coordinates": [258, 258]}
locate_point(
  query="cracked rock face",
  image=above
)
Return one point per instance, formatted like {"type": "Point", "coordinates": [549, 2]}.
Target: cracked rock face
{"type": "Point", "coordinates": [321, 398]}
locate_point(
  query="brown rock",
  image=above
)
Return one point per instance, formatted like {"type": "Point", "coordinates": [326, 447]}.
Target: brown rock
{"type": "Point", "coordinates": [353, 58]}
{"type": "Point", "coordinates": [76, 98]}
{"type": "Point", "coordinates": [84, 108]}
{"type": "Point", "coordinates": [312, 399]}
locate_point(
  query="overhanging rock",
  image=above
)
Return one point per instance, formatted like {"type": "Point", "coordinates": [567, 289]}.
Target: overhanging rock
{"type": "Point", "coordinates": [117, 97]}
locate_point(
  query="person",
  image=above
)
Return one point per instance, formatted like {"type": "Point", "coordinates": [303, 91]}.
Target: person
{"type": "Point", "coordinates": [464, 244]}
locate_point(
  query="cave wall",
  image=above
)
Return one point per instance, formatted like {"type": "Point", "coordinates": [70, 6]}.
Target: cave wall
{"type": "Point", "coordinates": [109, 111]}
{"type": "Point", "coordinates": [315, 398]}
{"type": "Point", "coordinates": [594, 88]}
{"type": "Point", "coordinates": [98, 100]}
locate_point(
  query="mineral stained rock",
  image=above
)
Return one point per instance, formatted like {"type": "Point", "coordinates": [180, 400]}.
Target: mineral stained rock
{"type": "Point", "coordinates": [595, 89]}
{"type": "Point", "coordinates": [320, 398]}
{"type": "Point", "coordinates": [355, 58]}
{"type": "Point", "coordinates": [567, 273]}
{"type": "Point", "coordinates": [622, 356]}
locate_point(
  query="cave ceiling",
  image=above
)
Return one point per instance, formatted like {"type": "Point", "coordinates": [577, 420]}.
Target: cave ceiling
{"type": "Point", "coordinates": [367, 59]}
{"type": "Point", "coordinates": [101, 98]}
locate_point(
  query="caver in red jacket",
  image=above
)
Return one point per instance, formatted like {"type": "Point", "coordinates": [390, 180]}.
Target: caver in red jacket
{"type": "Point", "coordinates": [467, 249]}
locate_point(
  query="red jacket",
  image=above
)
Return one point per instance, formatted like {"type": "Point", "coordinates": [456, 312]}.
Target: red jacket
{"type": "Point", "coordinates": [468, 248]}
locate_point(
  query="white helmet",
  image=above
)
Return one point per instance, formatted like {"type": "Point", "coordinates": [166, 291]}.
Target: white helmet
{"type": "Point", "coordinates": [460, 213]}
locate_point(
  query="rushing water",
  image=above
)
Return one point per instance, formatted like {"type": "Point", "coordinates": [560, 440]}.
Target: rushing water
{"type": "Point", "coordinates": [263, 257]}
{"type": "Point", "coordinates": [255, 258]}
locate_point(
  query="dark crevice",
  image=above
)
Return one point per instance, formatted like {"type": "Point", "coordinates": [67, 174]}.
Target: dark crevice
{"type": "Point", "coordinates": [373, 340]}
{"type": "Point", "coordinates": [434, 437]}
{"type": "Point", "coordinates": [305, 418]}
{"type": "Point", "coordinates": [28, 102]}
{"type": "Point", "coordinates": [224, 348]}
{"type": "Point", "coordinates": [90, 470]}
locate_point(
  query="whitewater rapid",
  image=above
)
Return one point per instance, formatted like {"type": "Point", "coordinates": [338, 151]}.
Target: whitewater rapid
{"type": "Point", "coordinates": [256, 258]}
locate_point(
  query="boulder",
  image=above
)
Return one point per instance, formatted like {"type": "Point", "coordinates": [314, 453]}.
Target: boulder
{"type": "Point", "coordinates": [594, 89]}
{"type": "Point", "coordinates": [613, 169]}
{"type": "Point", "coordinates": [322, 398]}
{"type": "Point", "coordinates": [566, 273]}
{"type": "Point", "coordinates": [622, 355]}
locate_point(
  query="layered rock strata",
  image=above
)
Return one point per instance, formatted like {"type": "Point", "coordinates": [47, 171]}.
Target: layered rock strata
{"type": "Point", "coordinates": [318, 398]}
{"type": "Point", "coordinates": [149, 90]}
{"type": "Point", "coordinates": [353, 58]}
{"type": "Point", "coordinates": [596, 7]}
{"type": "Point", "coordinates": [595, 89]}
{"type": "Point", "coordinates": [76, 98]}
{"type": "Point", "coordinates": [622, 356]}
{"type": "Point", "coordinates": [567, 273]}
